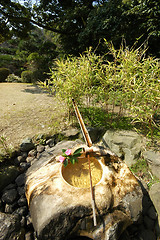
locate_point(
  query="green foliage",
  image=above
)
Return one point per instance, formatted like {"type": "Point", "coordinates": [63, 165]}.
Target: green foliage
{"type": "Point", "coordinates": [142, 171]}
{"type": "Point", "coordinates": [76, 77]}
{"type": "Point", "coordinates": [129, 83]}
{"type": "Point", "coordinates": [6, 150]}
{"type": "Point", "coordinates": [67, 156]}
{"type": "Point", "coordinates": [4, 72]}
{"type": "Point", "coordinates": [27, 76]}
{"type": "Point", "coordinates": [13, 78]}
{"type": "Point", "coordinates": [80, 24]}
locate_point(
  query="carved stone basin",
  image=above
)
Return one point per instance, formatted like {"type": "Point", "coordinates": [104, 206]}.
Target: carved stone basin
{"type": "Point", "coordinates": [59, 198]}
{"type": "Point", "coordinates": [78, 175]}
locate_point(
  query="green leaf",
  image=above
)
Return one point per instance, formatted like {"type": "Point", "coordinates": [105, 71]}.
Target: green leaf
{"type": "Point", "coordinates": [64, 155]}
{"type": "Point", "coordinates": [65, 162]}
{"type": "Point", "coordinates": [63, 150]}
{"type": "Point", "coordinates": [78, 151]}
{"type": "Point", "coordinates": [73, 160]}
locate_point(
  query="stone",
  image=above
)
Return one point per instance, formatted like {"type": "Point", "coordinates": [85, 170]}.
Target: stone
{"type": "Point", "coordinates": [29, 236]}
{"type": "Point", "coordinates": [22, 201]}
{"type": "Point", "coordinates": [29, 221]}
{"type": "Point", "coordinates": [152, 213]}
{"type": "Point", "coordinates": [71, 133]}
{"type": "Point", "coordinates": [147, 235]}
{"type": "Point", "coordinates": [147, 203]}
{"type": "Point", "coordinates": [153, 159]}
{"type": "Point", "coordinates": [40, 148]}
{"type": "Point", "coordinates": [30, 159]}
{"type": "Point", "coordinates": [23, 221]}
{"type": "Point", "coordinates": [32, 153]}
{"type": "Point", "coordinates": [7, 175]}
{"type": "Point", "coordinates": [9, 196]}
{"type": "Point", "coordinates": [155, 197]}
{"type": "Point", "coordinates": [20, 180]}
{"type": "Point", "coordinates": [50, 142]}
{"type": "Point", "coordinates": [95, 133]}
{"type": "Point", "coordinates": [9, 208]}
{"type": "Point", "coordinates": [26, 145]}
{"type": "Point", "coordinates": [18, 235]}
{"type": "Point", "coordinates": [22, 211]}
{"type": "Point", "coordinates": [149, 223]}
{"type": "Point", "coordinates": [24, 166]}
{"type": "Point", "coordinates": [58, 208]}
{"type": "Point", "coordinates": [125, 144]}
{"type": "Point", "coordinates": [21, 158]}
{"type": "Point", "coordinates": [21, 191]}
{"type": "Point", "coordinates": [8, 224]}
{"type": "Point", "coordinates": [10, 186]}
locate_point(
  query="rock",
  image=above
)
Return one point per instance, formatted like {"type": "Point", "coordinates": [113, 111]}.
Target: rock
{"type": "Point", "coordinates": [147, 203]}
{"type": "Point", "coordinates": [152, 213]}
{"type": "Point", "coordinates": [30, 159]}
{"type": "Point", "coordinates": [7, 175]}
{"type": "Point", "coordinates": [26, 145]}
{"type": "Point", "coordinates": [95, 133]}
{"type": "Point", "coordinates": [46, 156]}
{"type": "Point", "coordinates": [20, 180]}
{"type": "Point", "coordinates": [29, 236]}
{"type": "Point", "coordinates": [9, 196]}
{"type": "Point", "coordinates": [50, 142]}
{"type": "Point", "coordinates": [126, 144]}
{"type": "Point", "coordinates": [9, 208]}
{"type": "Point", "coordinates": [71, 134]}
{"type": "Point", "coordinates": [18, 235]}
{"type": "Point", "coordinates": [22, 201]}
{"type": "Point", "coordinates": [59, 210]}
{"type": "Point", "coordinates": [149, 223]}
{"type": "Point", "coordinates": [20, 158]}
{"type": "Point", "coordinates": [29, 221]}
{"type": "Point", "coordinates": [32, 153]}
{"type": "Point", "coordinates": [24, 166]}
{"type": "Point", "coordinates": [155, 196]}
{"type": "Point", "coordinates": [22, 211]}
{"type": "Point", "coordinates": [10, 186]}
{"type": "Point", "coordinates": [153, 159]}
{"type": "Point", "coordinates": [21, 191]}
{"type": "Point", "coordinates": [147, 235]}
{"type": "Point", "coordinates": [8, 224]}
{"type": "Point", "coordinates": [23, 221]}
{"type": "Point", "coordinates": [40, 148]}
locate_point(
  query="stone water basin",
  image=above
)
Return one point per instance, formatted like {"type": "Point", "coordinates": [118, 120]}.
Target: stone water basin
{"type": "Point", "coordinates": [59, 198]}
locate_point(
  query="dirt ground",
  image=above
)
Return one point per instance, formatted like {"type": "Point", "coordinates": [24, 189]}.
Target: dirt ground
{"type": "Point", "coordinates": [26, 111]}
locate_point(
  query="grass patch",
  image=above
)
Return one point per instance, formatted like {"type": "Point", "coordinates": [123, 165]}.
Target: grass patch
{"type": "Point", "coordinates": [143, 172]}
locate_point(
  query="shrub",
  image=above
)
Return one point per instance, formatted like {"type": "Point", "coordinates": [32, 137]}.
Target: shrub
{"type": "Point", "coordinates": [4, 72]}
{"type": "Point", "coordinates": [130, 81]}
{"type": "Point", "coordinates": [27, 76]}
{"type": "Point", "coordinates": [13, 78]}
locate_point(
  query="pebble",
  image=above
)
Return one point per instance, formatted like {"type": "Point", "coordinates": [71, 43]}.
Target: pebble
{"type": "Point", "coordinates": [40, 148]}
{"type": "Point", "coordinates": [9, 196]}
{"type": "Point", "coordinates": [20, 180]}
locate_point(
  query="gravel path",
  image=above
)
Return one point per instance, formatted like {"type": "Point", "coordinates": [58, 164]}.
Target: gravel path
{"type": "Point", "coordinates": [26, 111]}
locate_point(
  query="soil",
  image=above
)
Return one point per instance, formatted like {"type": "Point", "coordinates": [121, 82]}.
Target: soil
{"type": "Point", "coordinates": [26, 111]}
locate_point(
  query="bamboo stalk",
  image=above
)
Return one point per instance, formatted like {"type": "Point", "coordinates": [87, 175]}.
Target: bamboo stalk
{"type": "Point", "coordinates": [92, 195]}
{"type": "Point", "coordinates": [89, 144]}
{"type": "Point", "coordinates": [82, 125]}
